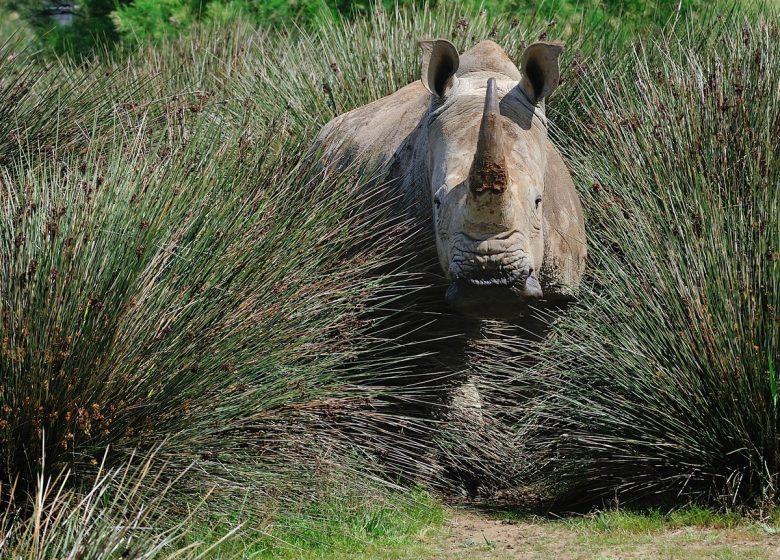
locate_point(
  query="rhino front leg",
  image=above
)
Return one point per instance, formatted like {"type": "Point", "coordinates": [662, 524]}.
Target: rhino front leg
{"type": "Point", "coordinates": [461, 437]}
{"type": "Point", "coordinates": [466, 404]}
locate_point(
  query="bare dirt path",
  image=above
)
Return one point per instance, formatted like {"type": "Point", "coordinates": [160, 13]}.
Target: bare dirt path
{"type": "Point", "coordinates": [478, 536]}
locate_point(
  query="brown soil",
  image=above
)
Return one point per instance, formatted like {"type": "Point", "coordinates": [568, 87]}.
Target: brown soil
{"type": "Point", "coordinates": [473, 535]}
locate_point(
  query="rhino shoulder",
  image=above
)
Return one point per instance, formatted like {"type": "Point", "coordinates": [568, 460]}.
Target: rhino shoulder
{"type": "Point", "coordinates": [375, 131]}
{"type": "Point", "coordinates": [565, 247]}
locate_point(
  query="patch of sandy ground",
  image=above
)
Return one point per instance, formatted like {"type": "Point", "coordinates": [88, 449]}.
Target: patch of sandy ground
{"type": "Point", "coordinates": [473, 535]}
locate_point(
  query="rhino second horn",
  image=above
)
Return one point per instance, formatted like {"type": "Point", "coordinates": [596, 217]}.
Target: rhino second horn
{"type": "Point", "coordinates": [488, 171]}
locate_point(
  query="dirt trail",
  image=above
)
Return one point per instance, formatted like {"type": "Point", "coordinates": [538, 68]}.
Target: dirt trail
{"type": "Point", "coordinates": [477, 536]}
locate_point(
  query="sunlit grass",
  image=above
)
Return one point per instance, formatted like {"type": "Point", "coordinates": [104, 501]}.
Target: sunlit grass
{"type": "Point", "coordinates": [344, 524]}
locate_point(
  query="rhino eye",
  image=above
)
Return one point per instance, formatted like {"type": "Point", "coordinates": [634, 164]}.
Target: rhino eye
{"type": "Point", "coordinates": [437, 201]}
{"type": "Point", "coordinates": [538, 201]}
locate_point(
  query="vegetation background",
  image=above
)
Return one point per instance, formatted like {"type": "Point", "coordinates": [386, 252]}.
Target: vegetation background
{"type": "Point", "coordinates": [96, 24]}
{"type": "Point", "coordinates": [208, 348]}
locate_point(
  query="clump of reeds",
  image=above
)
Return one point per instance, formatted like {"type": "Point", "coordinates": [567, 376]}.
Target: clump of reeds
{"type": "Point", "coordinates": [661, 383]}
{"type": "Point", "coordinates": [181, 279]}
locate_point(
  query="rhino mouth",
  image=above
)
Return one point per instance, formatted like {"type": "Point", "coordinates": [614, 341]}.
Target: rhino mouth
{"type": "Point", "coordinates": [493, 301]}
{"type": "Point", "coordinates": [491, 277]}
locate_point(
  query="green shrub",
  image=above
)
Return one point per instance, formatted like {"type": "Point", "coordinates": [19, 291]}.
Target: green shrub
{"type": "Point", "coordinates": [145, 20]}
{"type": "Point", "coordinates": [90, 26]}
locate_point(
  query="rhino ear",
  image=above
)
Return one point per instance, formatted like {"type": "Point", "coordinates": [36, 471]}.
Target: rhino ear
{"type": "Point", "coordinates": [440, 61]}
{"type": "Point", "coordinates": [541, 72]}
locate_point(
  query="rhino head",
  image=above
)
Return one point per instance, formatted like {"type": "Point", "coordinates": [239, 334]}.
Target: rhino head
{"type": "Point", "coordinates": [484, 147]}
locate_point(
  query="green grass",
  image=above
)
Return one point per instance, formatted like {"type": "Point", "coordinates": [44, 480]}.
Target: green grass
{"type": "Point", "coordinates": [632, 522]}
{"type": "Point", "coordinates": [340, 526]}
{"type": "Point", "coordinates": [413, 526]}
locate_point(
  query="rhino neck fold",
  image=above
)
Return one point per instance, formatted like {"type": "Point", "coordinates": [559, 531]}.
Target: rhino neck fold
{"type": "Point", "coordinates": [488, 170]}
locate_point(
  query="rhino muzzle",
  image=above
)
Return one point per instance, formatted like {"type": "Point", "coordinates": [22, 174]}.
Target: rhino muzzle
{"type": "Point", "coordinates": [491, 276]}
{"type": "Point", "coordinates": [492, 301]}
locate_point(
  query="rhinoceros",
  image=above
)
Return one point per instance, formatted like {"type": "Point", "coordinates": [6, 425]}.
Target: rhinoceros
{"type": "Point", "coordinates": [468, 145]}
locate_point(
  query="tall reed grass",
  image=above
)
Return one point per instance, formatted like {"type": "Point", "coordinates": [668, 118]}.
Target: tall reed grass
{"type": "Point", "coordinates": [660, 384]}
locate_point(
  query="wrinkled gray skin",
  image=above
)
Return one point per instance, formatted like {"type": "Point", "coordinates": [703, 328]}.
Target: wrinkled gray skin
{"type": "Point", "coordinates": [468, 143]}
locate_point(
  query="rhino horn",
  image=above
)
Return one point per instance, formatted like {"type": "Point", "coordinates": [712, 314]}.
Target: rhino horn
{"type": "Point", "coordinates": [488, 171]}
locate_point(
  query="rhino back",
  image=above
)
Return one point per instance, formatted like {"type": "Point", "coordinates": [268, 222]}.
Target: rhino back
{"type": "Point", "coordinates": [374, 133]}
{"type": "Point", "coordinates": [565, 248]}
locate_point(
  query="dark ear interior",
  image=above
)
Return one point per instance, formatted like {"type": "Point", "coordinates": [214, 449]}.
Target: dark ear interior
{"type": "Point", "coordinates": [541, 72]}
{"type": "Point", "coordinates": [535, 75]}
{"type": "Point", "coordinates": [439, 64]}
{"type": "Point", "coordinates": [443, 68]}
